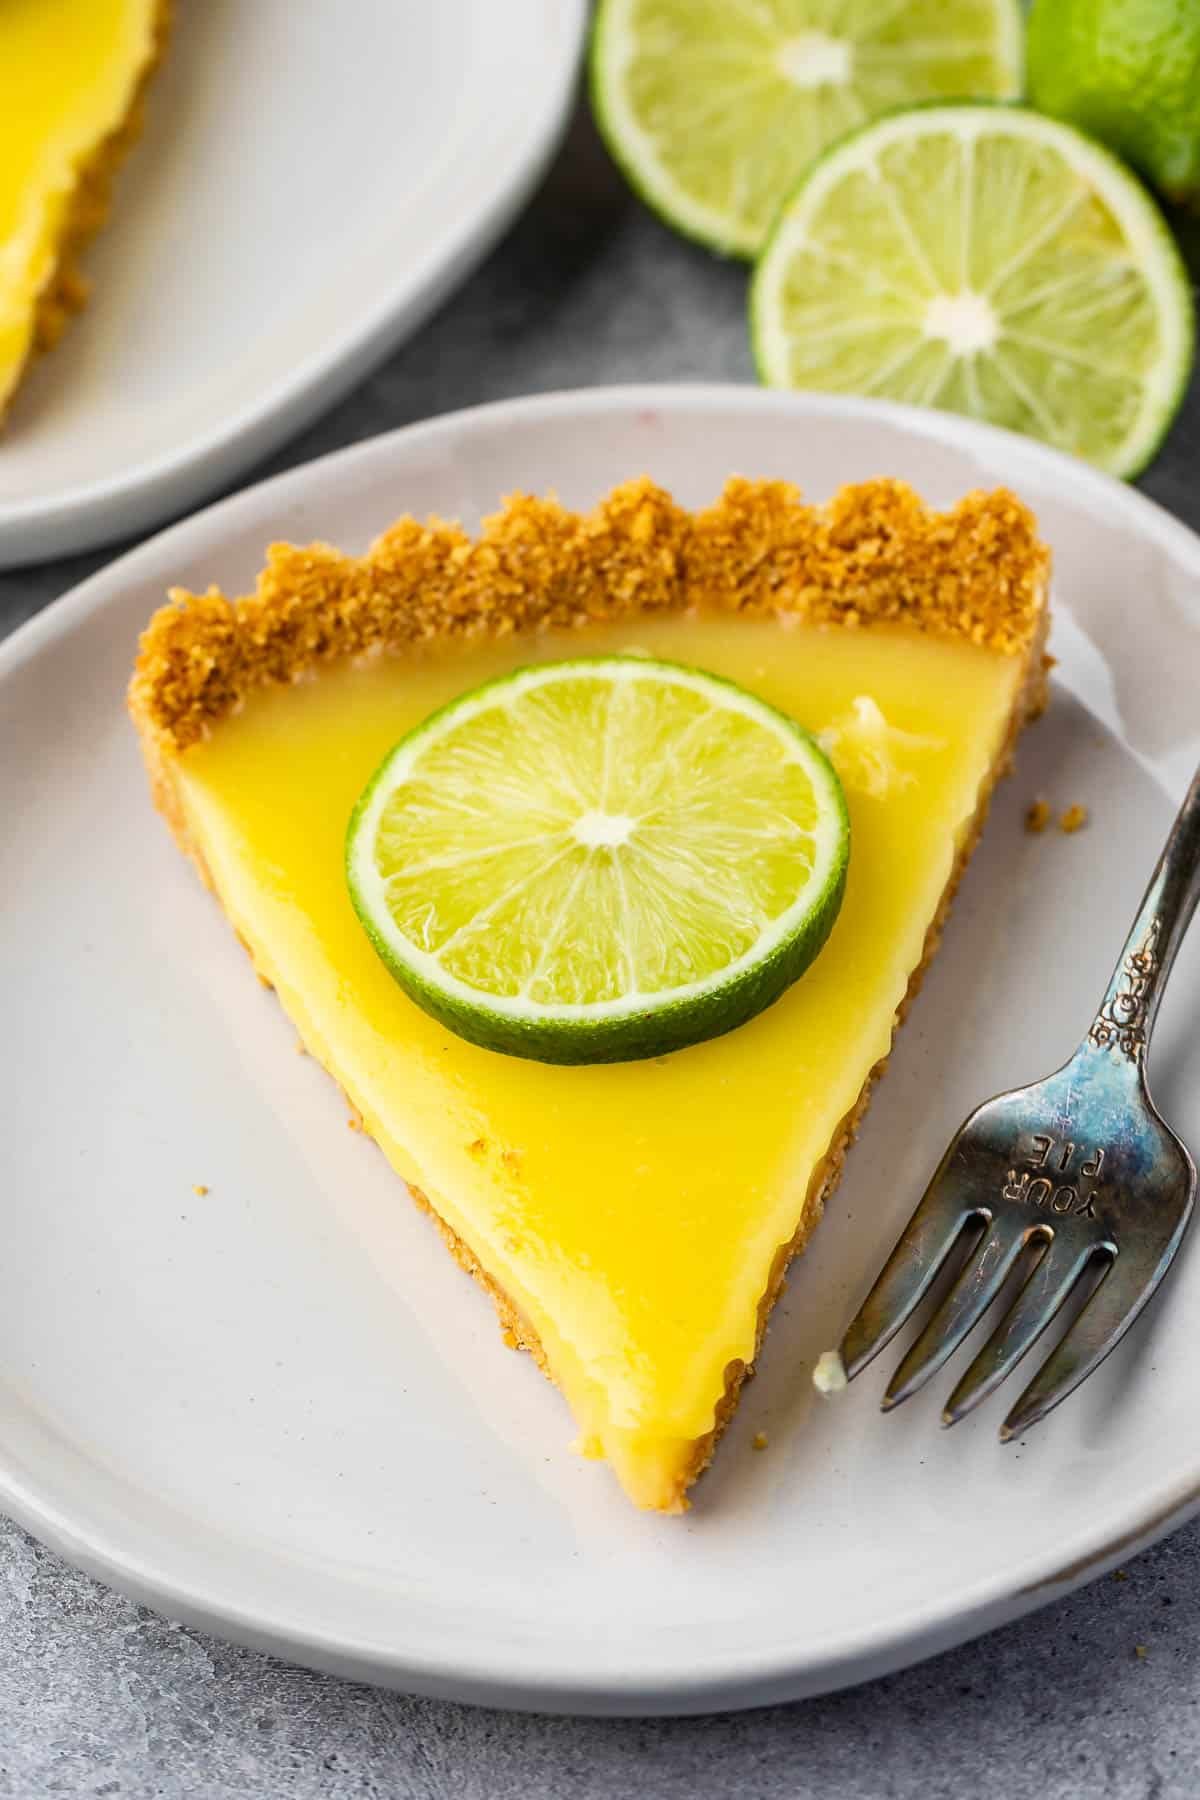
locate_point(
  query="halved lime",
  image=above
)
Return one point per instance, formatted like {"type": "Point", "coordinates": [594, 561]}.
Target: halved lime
{"type": "Point", "coordinates": [984, 260]}
{"type": "Point", "coordinates": [598, 860]}
{"type": "Point", "coordinates": [714, 108]}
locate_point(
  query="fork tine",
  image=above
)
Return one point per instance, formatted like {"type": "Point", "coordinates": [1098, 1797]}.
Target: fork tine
{"type": "Point", "coordinates": [1040, 1298]}
{"type": "Point", "coordinates": [906, 1277]}
{"type": "Point", "coordinates": [1119, 1296]}
{"type": "Point", "coordinates": [973, 1292]}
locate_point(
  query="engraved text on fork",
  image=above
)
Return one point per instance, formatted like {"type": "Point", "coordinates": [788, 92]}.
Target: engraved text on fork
{"type": "Point", "coordinates": [1053, 1174]}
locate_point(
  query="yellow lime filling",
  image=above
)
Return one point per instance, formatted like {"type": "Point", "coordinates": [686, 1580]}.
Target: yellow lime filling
{"type": "Point", "coordinates": [630, 1212]}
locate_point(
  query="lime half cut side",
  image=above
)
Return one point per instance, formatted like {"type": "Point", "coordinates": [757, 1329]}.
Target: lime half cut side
{"type": "Point", "coordinates": [599, 860]}
{"type": "Point", "coordinates": [714, 108]}
{"type": "Point", "coordinates": [987, 261]}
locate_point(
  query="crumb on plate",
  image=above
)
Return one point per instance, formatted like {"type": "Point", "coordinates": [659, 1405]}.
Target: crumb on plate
{"type": "Point", "coordinates": [759, 1441]}
{"type": "Point", "coordinates": [1074, 819]}
{"type": "Point", "coordinates": [829, 1376]}
{"type": "Point", "coordinates": [1037, 817]}
{"type": "Point", "coordinates": [199, 1188]}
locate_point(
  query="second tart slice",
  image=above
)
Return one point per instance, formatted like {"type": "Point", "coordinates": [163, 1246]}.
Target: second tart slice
{"type": "Point", "coordinates": [72, 73]}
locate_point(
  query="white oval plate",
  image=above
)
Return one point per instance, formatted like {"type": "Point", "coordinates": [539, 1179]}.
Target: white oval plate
{"type": "Point", "coordinates": [312, 181]}
{"type": "Point", "coordinates": [280, 1411]}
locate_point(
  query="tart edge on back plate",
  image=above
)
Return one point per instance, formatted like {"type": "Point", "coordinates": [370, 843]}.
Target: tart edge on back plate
{"type": "Point", "coordinates": [66, 290]}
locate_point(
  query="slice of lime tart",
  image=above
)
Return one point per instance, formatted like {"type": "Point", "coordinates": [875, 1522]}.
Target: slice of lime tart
{"type": "Point", "coordinates": [597, 859]}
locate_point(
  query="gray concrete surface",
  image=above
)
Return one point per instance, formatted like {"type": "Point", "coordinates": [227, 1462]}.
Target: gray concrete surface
{"type": "Point", "coordinates": [1098, 1696]}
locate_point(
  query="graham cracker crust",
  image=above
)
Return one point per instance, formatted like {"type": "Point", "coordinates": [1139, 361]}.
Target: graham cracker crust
{"type": "Point", "coordinates": [875, 553]}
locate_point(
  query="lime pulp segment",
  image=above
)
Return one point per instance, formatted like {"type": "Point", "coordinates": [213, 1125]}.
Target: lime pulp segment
{"type": "Point", "coordinates": [715, 107]}
{"type": "Point", "coordinates": [599, 860]}
{"type": "Point", "coordinates": [987, 261]}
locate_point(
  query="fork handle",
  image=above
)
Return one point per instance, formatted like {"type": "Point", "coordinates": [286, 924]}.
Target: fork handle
{"type": "Point", "coordinates": [1127, 1012]}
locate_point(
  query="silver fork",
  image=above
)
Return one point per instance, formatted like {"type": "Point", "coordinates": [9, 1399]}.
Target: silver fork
{"type": "Point", "coordinates": [1075, 1183]}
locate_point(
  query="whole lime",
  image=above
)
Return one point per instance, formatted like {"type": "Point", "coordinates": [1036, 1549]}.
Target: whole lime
{"type": "Point", "coordinates": [1128, 72]}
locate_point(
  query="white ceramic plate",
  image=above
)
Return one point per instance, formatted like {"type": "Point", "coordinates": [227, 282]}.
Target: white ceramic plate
{"type": "Point", "coordinates": [280, 1411]}
{"type": "Point", "coordinates": [312, 181]}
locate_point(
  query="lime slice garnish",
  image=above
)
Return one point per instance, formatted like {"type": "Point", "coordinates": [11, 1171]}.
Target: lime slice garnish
{"type": "Point", "coordinates": [988, 261]}
{"type": "Point", "coordinates": [598, 860]}
{"type": "Point", "coordinates": [714, 108]}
